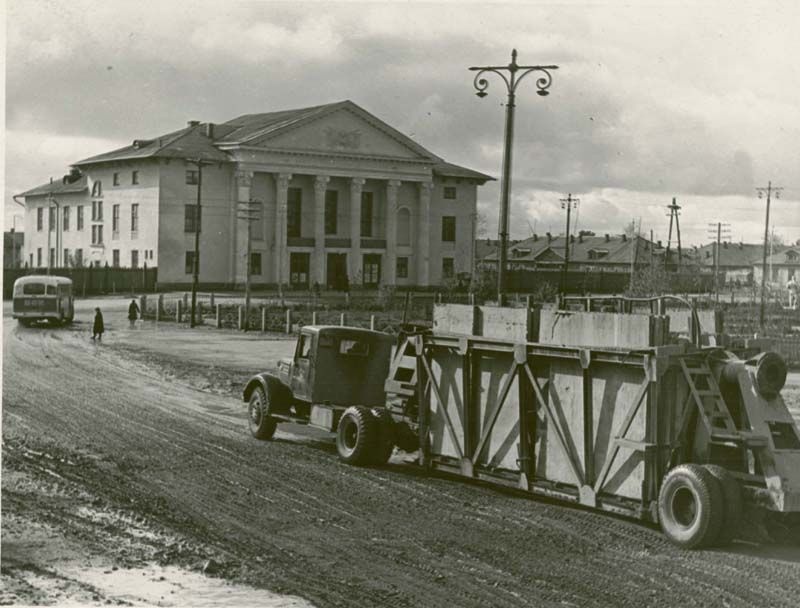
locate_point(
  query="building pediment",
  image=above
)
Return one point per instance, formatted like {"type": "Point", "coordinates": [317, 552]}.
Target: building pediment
{"type": "Point", "coordinates": [345, 130]}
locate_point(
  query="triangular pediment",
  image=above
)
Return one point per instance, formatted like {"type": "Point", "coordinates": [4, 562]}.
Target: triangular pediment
{"type": "Point", "coordinates": [549, 255]}
{"type": "Point", "coordinates": [345, 129]}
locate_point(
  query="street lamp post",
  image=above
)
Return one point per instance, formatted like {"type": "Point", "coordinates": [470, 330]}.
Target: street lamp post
{"type": "Point", "coordinates": [512, 74]}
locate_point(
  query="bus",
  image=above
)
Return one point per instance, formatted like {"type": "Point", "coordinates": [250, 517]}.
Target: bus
{"type": "Point", "coordinates": [39, 297]}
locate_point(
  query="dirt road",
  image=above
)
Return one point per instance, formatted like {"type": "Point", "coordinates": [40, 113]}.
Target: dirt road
{"type": "Point", "coordinates": [114, 451]}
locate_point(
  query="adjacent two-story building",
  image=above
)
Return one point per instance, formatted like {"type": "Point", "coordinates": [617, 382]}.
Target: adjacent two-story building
{"type": "Point", "coordinates": [328, 195]}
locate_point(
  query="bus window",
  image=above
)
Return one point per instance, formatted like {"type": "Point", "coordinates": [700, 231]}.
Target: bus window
{"type": "Point", "coordinates": [34, 289]}
{"type": "Point", "coordinates": [51, 290]}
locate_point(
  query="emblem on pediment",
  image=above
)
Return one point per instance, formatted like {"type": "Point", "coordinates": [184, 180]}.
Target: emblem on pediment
{"type": "Point", "coordinates": [341, 139]}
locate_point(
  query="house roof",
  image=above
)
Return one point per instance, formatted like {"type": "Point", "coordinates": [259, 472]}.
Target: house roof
{"type": "Point", "coordinates": [736, 255]}
{"type": "Point", "coordinates": [58, 187]}
{"type": "Point", "coordinates": [789, 257]}
{"type": "Point", "coordinates": [538, 249]}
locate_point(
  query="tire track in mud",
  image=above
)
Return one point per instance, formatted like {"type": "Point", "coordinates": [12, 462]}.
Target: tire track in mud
{"type": "Point", "coordinates": [299, 521]}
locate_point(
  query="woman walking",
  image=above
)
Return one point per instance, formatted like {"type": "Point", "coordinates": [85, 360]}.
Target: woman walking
{"type": "Point", "coordinates": [98, 328]}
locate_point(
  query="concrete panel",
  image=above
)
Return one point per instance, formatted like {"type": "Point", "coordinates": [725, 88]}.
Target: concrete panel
{"type": "Point", "coordinates": [710, 321]}
{"type": "Point", "coordinates": [454, 319]}
{"type": "Point", "coordinates": [599, 329]}
{"type": "Point", "coordinates": [505, 323]}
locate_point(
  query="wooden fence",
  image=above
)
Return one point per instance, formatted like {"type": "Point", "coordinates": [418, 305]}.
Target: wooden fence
{"type": "Point", "coordinates": [91, 281]}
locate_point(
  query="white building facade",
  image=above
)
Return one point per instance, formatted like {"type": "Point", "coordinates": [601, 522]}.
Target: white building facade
{"type": "Point", "coordinates": [336, 198]}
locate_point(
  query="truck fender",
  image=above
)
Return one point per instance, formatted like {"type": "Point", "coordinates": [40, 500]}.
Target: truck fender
{"type": "Point", "coordinates": [271, 385]}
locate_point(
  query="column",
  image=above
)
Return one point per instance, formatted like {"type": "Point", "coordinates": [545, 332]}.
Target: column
{"type": "Point", "coordinates": [423, 246]}
{"type": "Point", "coordinates": [356, 187]}
{"type": "Point", "coordinates": [318, 263]}
{"type": "Point", "coordinates": [390, 267]}
{"type": "Point", "coordinates": [244, 182]}
{"type": "Point", "coordinates": [281, 260]}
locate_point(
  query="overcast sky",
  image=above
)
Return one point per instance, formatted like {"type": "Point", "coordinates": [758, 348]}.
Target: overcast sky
{"type": "Point", "coordinates": [651, 100]}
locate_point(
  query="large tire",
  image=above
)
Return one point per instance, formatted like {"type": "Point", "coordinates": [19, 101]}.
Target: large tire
{"type": "Point", "coordinates": [358, 436]}
{"type": "Point", "coordinates": [733, 506]}
{"type": "Point", "coordinates": [385, 446]}
{"type": "Point", "coordinates": [690, 506]}
{"type": "Point", "coordinates": [262, 425]}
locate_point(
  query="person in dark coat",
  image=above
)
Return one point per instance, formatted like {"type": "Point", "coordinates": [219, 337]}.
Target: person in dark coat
{"type": "Point", "coordinates": [133, 313]}
{"type": "Point", "coordinates": [98, 328]}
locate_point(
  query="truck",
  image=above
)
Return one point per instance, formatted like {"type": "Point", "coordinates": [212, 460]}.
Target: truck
{"type": "Point", "coordinates": [680, 433]}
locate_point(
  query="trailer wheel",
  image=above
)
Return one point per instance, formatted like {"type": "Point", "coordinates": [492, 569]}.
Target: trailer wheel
{"type": "Point", "coordinates": [732, 504]}
{"type": "Point", "coordinates": [262, 425]}
{"type": "Point", "coordinates": [690, 506]}
{"type": "Point", "coordinates": [358, 436]}
{"type": "Point", "coordinates": [385, 445]}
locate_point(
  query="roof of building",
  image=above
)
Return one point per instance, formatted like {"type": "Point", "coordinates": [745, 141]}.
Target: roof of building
{"type": "Point", "coordinates": [789, 257]}
{"type": "Point", "coordinates": [616, 249]}
{"type": "Point", "coordinates": [483, 247]}
{"type": "Point", "coordinates": [738, 255]}
{"type": "Point", "coordinates": [58, 187]}
{"type": "Point", "coordinates": [207, 141]}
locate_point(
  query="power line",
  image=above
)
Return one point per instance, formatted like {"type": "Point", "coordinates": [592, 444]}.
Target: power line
{"type": "Point", "coordinates": [769, 190]}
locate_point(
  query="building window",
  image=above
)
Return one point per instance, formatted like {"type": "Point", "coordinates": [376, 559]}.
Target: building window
{"type": "Point", "coordinates": [51, 218]}
{"type": "Point", "coordinates": [52, 257]}
{"type": "Point", "coordinates": [294, 212]}
{"type": "Point", "coordinates": [79, 257]}
{"type": "Point", "coordinates": [450, 192]}
{"type": "Point", "coordinates": [135, 217]}
{"type": "Point", "coordinates": [39, 218]}
{"type": "Point", "coordinates": [97, 234]}
{"type": "Point", "coordinates": [116, 179]}
{"type": "Point", "coordinates": [65, 261]}
{"type": "Point", "coordinates": [404, 226]}
{"type": "Point", "coordinates": [255, 263]}
{"type": "Point", "coordinates": [30, 258]}
{"type": "Point", "coordinates": [134, 177]}
{"type": "Point", "coordinates": [192, 218]}
{"type": "Point", "coordinates": [372, 269]}
{"type": "Point", "coordinates": [331, 210]}
{"type": "Point", "coordinates": [298, 268]}
{"type": "Point", "coordinates": [366, 214]}
{"type": "Point", "coordinates": [191, 177]}
{"type": "Point", "coordinates": [134, 258]}
{"type": "Point", "coordinates": [38, 257]}
{"type": "Point", "coordinates": [189, 263]}
{"type": "Point", "coordinates": [115, 258]}
{"type": "Point", "coordinates": [115, 221]}
{"type": "Point", "coordinates": [402, 268]}
{"type": "Point", "coordinates": [97, 189]}
{"type": "Point", "coordinates": [447, 268]}
{"type": "Point", "coordinates": [97, 211]}
{"type": "Point", "coordinates": [449, 229]}
{"type": "Point", "coordinates": [80, 218]}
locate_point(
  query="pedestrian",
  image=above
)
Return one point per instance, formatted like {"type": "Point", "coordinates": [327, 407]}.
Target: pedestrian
{"type": "Point", "coordinates": [793, 288]}
{"type": "Point", "coordinates": [133, 313]}
{"type": "Point", "coordinates": [98, 328]}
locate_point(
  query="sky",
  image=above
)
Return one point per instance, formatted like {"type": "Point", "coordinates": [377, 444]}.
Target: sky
{"type": "Point", "coordinates": [651, 100]}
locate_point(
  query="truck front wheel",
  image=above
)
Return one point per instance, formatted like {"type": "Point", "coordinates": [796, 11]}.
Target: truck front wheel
{"type": "Point", "coordinates": [262, 425]}
{"type": "Point", "coordinates": [358, 436]}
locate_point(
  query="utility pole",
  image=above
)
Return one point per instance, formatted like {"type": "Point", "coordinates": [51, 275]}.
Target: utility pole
{"type": "Point", "coordinates": [249, 211]}
{"type": "Point", "coordinates": [199, 163]}
{"type": "Point", "coordinates": [635, 250]}
{"type": "Point", "coordinates": [674, 212]}
{"type": "Point", "coordinates": [769, 190]}
{"type": "Point", "coordinates": [720, 226]}
{"type": "Point", "coordinates": [568, 202]}
{"type": "Point", "coordinates": [652, 248]}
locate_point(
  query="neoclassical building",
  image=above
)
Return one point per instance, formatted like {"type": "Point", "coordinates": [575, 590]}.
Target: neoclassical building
{"type": "Point", "coordinates": [330, 195]}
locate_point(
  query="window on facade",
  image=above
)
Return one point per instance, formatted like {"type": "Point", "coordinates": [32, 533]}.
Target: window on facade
{"type": "Point", "coordinates": [38, 257]}
{"type": "Point", "coordinates": [51, 218]}
{"type": "Point", "coordinates": [134, 258]}
{"type": "Point", "coordinates": [79, 257]}
{"type": "Point", "coordinates": [449, 228]}
{"type": "Point", "coordinates": [294, 212]}
{"type": "Point", "coordinates": [79, 220]}
{"type": "Point", "coordinates": [97, 234]}
{"type": "Point", "coordinates": [65, 214]}
{"type": "Point", "coordinates": [135, 217]}
{"type": "Point", "coordinates": [450, 192]}
{"type": "Point", "coordinates": [97, 211]}
{"type": "Point", "coordinates": [189, 262]}
{"type": "Point", "coordinates": [447, 268]}
{"type": "Point", "coordinates": [30, 259]}
{"type": "Point", "coordinates": [191, 177]}
{"type": "Point", "coordinates": [404, 226]}
{"type": "Point", "coordinates": [52, 257]}
{"type": "Point", "coordinates": [299, 264]}
{"type": "Point", "coordinates": [97, 189]}
{"type": "Point", "coordinates": [255, 263]}
{"type": "Point", "coordinates": [366, 213]}
{"type": "Point", "coordinates": [39, 218]}
{"type": "Point", "coordinates": [331, 209]}
{"type": "Point", "coordinates": [134, 177]}
{"type": "Point", "coordinates": [402, 268]}
{"type": "Point", "coordinates": [115, 219]}
{"type": "Point", "coordinates": [65, 261]}
{"type": "Point", "coordinates": [190, 218]}
{"type": "Point", "coordinates": [115, 258]}
{"type": "Point", "coordinates": [116, 179]}
{"type": "Point", "coordinates": [372, 269]}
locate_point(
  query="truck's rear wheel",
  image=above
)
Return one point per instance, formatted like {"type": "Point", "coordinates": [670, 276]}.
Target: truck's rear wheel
{"type": "Point", "coordinates": [358, 436]}
{"type": "Point", "coordinates": [385, 445]}
{"type": "Point", "coordinates": [262, 425]}
{"type": "Point", "coordinates": [690, 506]}
{"type": "Point", "coordinates": [732, 507]}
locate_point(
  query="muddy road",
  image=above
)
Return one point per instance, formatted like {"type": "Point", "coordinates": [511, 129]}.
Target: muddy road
{"type": "Point", "coordinates": [136, 458]}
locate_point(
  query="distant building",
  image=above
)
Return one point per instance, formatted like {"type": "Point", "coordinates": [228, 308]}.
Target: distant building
{"type": "Point", "coordinates": [781, 267]}
{"type": "Point", "coordinates": [343, 198]}
{"type": "Point", "coordinates": [13, 243]}
{"type": "Point", "coordinates": [736, 260]}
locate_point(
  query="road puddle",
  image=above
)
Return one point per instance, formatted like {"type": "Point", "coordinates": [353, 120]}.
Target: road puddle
{"type": "Point", "coordinates": [173, 586]}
